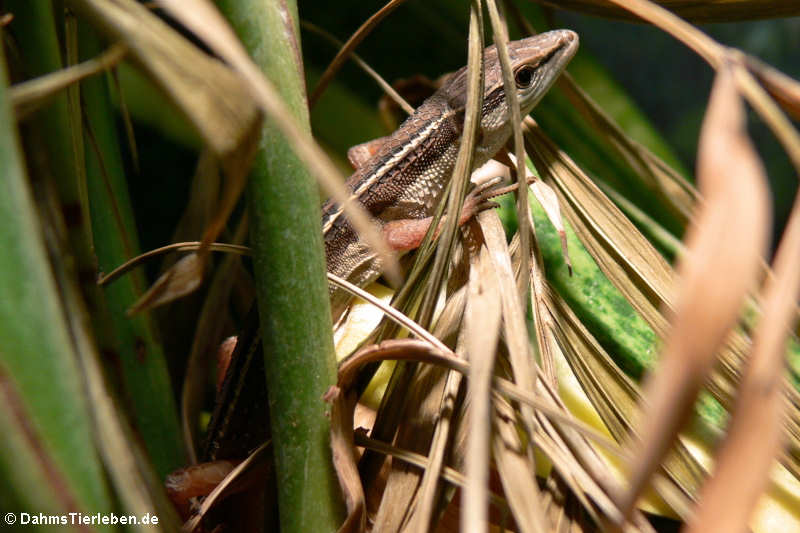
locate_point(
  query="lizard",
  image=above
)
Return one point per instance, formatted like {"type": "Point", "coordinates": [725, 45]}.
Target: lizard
{"type": "Point", "coordinates": [400, 185]}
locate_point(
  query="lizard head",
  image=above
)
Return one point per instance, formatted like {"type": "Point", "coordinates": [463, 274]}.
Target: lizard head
{"type": "Point", "coordinates": [536, 63]}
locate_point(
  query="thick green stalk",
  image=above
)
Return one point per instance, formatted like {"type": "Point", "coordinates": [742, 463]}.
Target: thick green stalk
{"type": "Point", "coordinates": [49, 456]}
{"type": "Point", "coordinates": [290, 277]}
{"type": "Point", "coordinates": [132, 341]}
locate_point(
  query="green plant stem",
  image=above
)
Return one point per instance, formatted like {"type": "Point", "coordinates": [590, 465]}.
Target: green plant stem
{"type": "Point", "coordinates": [290, 278]}
{"type": "Point", "coordinates": [49, 457]}
{"type": "Point", "coordinates": [132, 341]}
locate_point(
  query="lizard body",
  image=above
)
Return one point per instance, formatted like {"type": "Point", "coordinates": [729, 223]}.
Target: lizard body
{"type": "Point", "coordinates": [405, 178]}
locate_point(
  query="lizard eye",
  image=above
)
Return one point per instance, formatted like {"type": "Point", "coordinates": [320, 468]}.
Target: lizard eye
{"type": "Point", "coordinates": [524, 77]}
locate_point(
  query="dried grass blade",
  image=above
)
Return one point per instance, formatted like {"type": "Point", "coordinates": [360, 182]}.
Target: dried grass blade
{"type": "Point", "coordinates": [174, 247]}
{"type": "Point", "coordinates": [724, 251]}
{"type": "Point", "coordinates": [634, 266]}
{"type": "Point", "coordinates": [455, 198]}
{"type": "Point", "coordinates": [349, 46]}
{"type": "Point", "coordinates": [448, 407]}
{"type": "Point", "coordinates": [415, 432]}
{"type": "Point", "coordinates": [542, 321]}
{"type": "Point", "coordinates": [576, 460]}
{"type": "Point", "coordinates": [615, 397]}
{"type": "Point", "coordinates": [500, 31]}
{"type": "Point", "coordinates": [383, 84]}
{"type": "Point", "coordinates": [697, 12]}
{"type": "Point", "coordinates": [448, 474]}
{"type": "Point", "coordinates": [207, 335]}
{"type": "Point", "coordinates": [258, 459]}
{"type": "Point", "coordinates": [572, 469]}
{"type": "Point", "coordinates": [755, 432]}
{"type": "Point", "coordinates": [516, 333]}
{"type": "Point", "coordinates": [482, 330]}
{"type": "Point", "coordinates": [343, 403]}
{"type": "Point", "coordinates": [181, 279]}
{"type": "Point", "coordinates": [28, 96]}
{"type": "Point", "coordinates": [654, 172]}
{"type": "Point", "coordinates": [212, 96]}
{"type": "Point", "coordinates": [757, 97]}
{"type": "Point", "coordinates": [547, 198]}
{"type": "Point", "coordinates": [717, 56]}
{"type": "Point", "coordinates": [463, 167]}
{"type": "Point", "coordinates": [420, 351]}
{"type": "Point", "coordinates": [785, 90]}
{"type": "Point", "coordinates": [516, 469]}
{"type": "Point", "coordinates": [563, 509]}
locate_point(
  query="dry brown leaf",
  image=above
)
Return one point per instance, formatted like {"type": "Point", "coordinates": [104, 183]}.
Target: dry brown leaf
{"type": "Point", "coordinates": [182, 278]}
{"type": "Point", "coordinates": [517, 470]}
{"type": "Point", "coordinates": [725, 246]}
{"type": "Point", "coordinates": [755, 432]}
{"type": "Point", "coordinates": [396, 510]}
{"type": "Point", "coordinates": [482, 329]}
{"type": "Point", "coordinates": [719, 57]}
{"type": "Point", "coordinates": [514, 328]}
{"type": "Point", "coordinates": [256, 463]}
{"type": "Point", "coordinates": [415, 432]}
{"type": "Point", "coordinates": [500, 34]}
{"type": "Point", "coordinates": [542, 319]}
{"type": "Point", "coordinates": [628, 260]}
{"type": "Point", "coordinates": [636, 268]}
{"type": "Point", "coordinates": [615, 398]}
{"type": "Point", "coordinates": [573, 458]}
{"type": "Point", "coordinates": [455, 192]}
{"type": "Point", "coordinates": [28, 96]}
{"type": "Point", "coordinates": [343, 403]}
{"type": "Point", "coordinates": [785, 90]}
{"type": "Point", "coordinates": [213, 97]}
{"type": "Point", "coordinates": [767, 109]}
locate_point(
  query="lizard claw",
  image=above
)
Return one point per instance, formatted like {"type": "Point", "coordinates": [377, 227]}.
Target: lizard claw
{"type": "Point", "coordinates": [477, 201]}
{"type": "Point", "coordinates": [488, 204]}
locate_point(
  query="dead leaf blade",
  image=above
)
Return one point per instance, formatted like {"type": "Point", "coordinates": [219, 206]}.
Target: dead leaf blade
{"type": "Point", "coordinates": [482, 329]}
{"type": "Point", "coordinates": [756, 430]}
{"type": "Point", "coordinates": [724, 249]}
